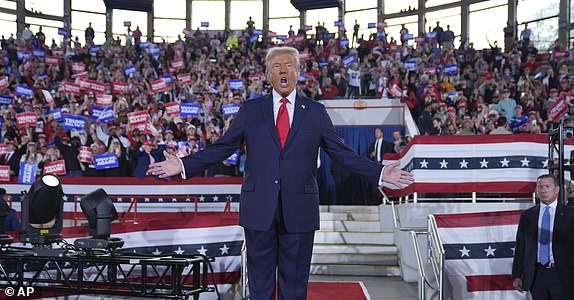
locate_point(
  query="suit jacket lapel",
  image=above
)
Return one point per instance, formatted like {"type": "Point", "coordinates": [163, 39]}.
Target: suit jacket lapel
{"type": "Point", "coordinates": [298, 116]}
{"type": "Point", "coordinates": [267, 110]}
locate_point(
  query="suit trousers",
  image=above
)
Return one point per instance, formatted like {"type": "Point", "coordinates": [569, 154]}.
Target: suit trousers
{"type": "Point", "coordinates": [276, 252]}
{"type": "Point", "coordinates": [546, 284]}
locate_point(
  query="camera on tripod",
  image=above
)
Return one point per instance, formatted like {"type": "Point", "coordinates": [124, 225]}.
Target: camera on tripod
{"type": "Point", "coordinates": [568, 133]}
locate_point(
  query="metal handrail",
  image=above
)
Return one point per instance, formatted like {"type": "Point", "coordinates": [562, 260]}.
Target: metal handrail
{"type": "Point", "coordinates": [244, 280]}
{"type": "Point", "coordinates": [397, 221]}
{"type": "Point", "coordinates": [423, 279]}
{"type": "Point", "coordinates": [436, 249]}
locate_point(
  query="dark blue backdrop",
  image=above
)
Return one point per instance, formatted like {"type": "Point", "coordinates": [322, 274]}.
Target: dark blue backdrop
{"type": "Point", "coordinates": [357, 138]}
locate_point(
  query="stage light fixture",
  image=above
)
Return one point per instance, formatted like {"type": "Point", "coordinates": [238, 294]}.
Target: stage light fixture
{"type": "Point", "coordinates": [42, 212]}
{"type": "Point", "coordinates": [100, 212]}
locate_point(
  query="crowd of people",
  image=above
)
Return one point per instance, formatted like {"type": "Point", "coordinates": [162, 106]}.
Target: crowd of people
{"type": "Point", "coordinates": [449, 90]}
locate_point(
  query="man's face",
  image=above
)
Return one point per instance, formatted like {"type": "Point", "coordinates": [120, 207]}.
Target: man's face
{"type": "Point", "coordinates": [546, 190]}
{"type": "Point", "coordinates": [283, 73]}
{"type": "Point", "coordinates": [378, 134]}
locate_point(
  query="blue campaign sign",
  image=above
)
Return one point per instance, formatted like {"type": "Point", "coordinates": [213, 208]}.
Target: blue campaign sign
{"type": "Point", "coordinates": [431, 35]}
{"type": "Point", "coordinates": [323, 63]}
{"type": "Point", "coordinates": [94, 50]}
{"type": "Point", "coordinates": [189, 109]}
{"type": "Point", "coordinates": [258, 31]}
{"type": "Point", "coordinates": [102, 114]}
{"type": "Point", "coordinates": [24, 91]}
{"type": "Point", "coordinates": [153, 50]}
{"type": "Point", "coordinates": [254, 38]}
{"type": "Point", "coordinates": [106, 161]}
{"type": "Point", "coordinates": [56, 114]}
{"type": "Point", "coordinates": [204, 24]}
{"type": "Point", "coordinates": [130, 71]}
{"type": "Point", "coordinates": [6, 99]}
{"type": "Point", "coordinates": [381, 35]}
{"type": "Point", "coordinates": [372, 25]}
{"type": "Point", "coordinates": [39, 53]}
{"type": "Point", "coordinates": [344, 43]}
{"type": "Point", "coordinates": [281, 37]}
{"type": "Point", "coordinates": [62, 32]}
{"type": "Point", "coordinates": [408, 37]}
{"type": "Point", "coordinates": [167, 79]}
{"type": "Point", "coordinates": [144, 45]}
{"type": "Point", "coordinates": [232, 160]}
{"type": "Point", "coordinates": [24, 55]}
{"type": "Point", "coordinates": [411, 65]}
{"type": "Point", "coordinates": [27, 173]}
{"type": "Point", "coordinates": [236, 84]}
{"type": "Point", "coordinates": [452, 95]}
{"type": "Point", "coordinates": [72, 122]}
{"type": "Point", "coordinates": [348, 60]}
{"type": "Point", "coordinates": [338, 23]}
{"type": "Point", "coordinates": [230, 109]}
{"type": "Point", "coordinates": [451, 69]}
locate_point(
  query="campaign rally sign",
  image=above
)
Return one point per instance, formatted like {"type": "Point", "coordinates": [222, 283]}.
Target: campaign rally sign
{"type": "Point", "coordinates": [189, 110]}
{"type": "Point", "coordinates": [144, 45]}
{"type": "Point", "coordinates": [73, 122]}
{"type": "Point", "coordinates": [172, 108]}
{"type": "Point", "coordinates": [177, 64]}
{"type": "Point", "coordinates": [396, 91]}
{"type": "Point", "coordinates": [102, 114]}
{"type": "Point", "coordinates": [106, 161]}
{"type": "Point", "coordinates": [130, 71]}
{"type": "Point", "coordinates": [430, 71]}
{"type": "Point", "coordinates": [408, 37]}
{"type": "Point", "coordinates": [78, 67]}
{"type": "Point", "coordinates": [104, 100]}
{"type": "Point", "coordinates": [138, 119]}
{"type": "Point", "coordinates": [254, 38]}
{"type": "Point", "coordinates": [348, 60]}
{"type": "Point", "coordinates": [3, 149]}
{"type": "Point", "coordinates": [39, 53]}
{"type": "Point", "coordinates": [187, 32]}
{"type": "Point", "coordinates": [24, 91]}
{"type": "Point", "coordinates": [298, 39]}
{"type": "Point", "coordinates": [4, 83]}
{"type": "Point", "coordinates": [431, 35]}
{"type": "Point", "coordinates": [97, 87]}
{"type": "Point", "coordinates": [167, 79]}
{"type": "Point", "coordinates": [411, 65]}
{"type": "Point", "coordinates": [557, 110]}
{"type": "Point", "coordinates": [230, 109]}
{"type": "Point", "coordinates": [120, 87]}
{"type": "Point", "coordinates": [184, 78]}
{"type": "Point", "coordinates": [338, 23]}
{"type": "Point", "coordinates": [204, 24]}
{"type": "Point", "coordinates": [47, 96]}
{"type": "Point", "coordinates": [27, 173]}
{"type": "Point", "coordinates": [80, 75]}
{"type": "Point", "coordinates": [303, 55]}
{"type": "Point", "coordinates": [26, 118]}
{"type": "Point", "coordinates": [57, 167]}
{"type": "Point", "coordinates": [6, 99]}
{"type": "Point", "coordinates": [71, 88]}
{"type": "Point", "coordinates": [236, 84]}
{"type": "Point", "coordinates": [159, 85]}
{"type": "Point", "coordinates": [232, 160]}
{"type": "Point", "coordinates": [451, 69]}
{"type": "Point", "coordinates": [86, 154]}
{"type": "Point", "coordinates": [308, 27]}
{"type": "Point", "coordinates": [381, 35]}
{"type": "Point", "coordinates": [56, 114]}
{"type": "Point", "coordinates": [84, 83]}
{"type": "Point", "coordinates": [371, 25]}
{"type": "Point", "coordinates": [24, 55]}
{"type": "Point", "coordinates": [153, 50]}
{"type": "Point", "coordinates": [4, 173]}
{"type": "Point", "coordinates": [420, 39]}
{"type": "Point", "coordinates": [344, 43]}
{"type": "Point", "coordinates": [63, 32]}
{"type": "Point", "coordinates": [94, 50]}
{"type": "Point", "coordinates": [58, 52]}
{"type": "Point", "coordinates": [323, 63]}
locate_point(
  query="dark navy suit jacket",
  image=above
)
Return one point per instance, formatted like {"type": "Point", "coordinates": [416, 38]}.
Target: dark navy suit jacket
{"type": "Point", "coordinates": [269, 170]}
{"type": "Point", "coordinates": [526, 249]}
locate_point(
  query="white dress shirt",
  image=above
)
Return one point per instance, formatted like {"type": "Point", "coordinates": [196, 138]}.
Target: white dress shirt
{"type": "Point", "coordinates": [552, 217]}
{"type": "Point", "coordinates": [378, 144]}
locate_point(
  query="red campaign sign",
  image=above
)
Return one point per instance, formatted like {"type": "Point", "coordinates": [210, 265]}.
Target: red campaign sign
{"type": "Point", "coordinates": [103, 100]}
{"type": "Point", "coordinates": [26, 118]}
{"type": "Point", "coordinates": [172, 108]}
{"type": "Point", "coordinates": [299, 39]}
{"type": "Point", "coordinates": [3, 149]}
{"type": "Point", "coordinates": [394, 48]}
{"type": "Point", "coordinates": [289, 41]}
{"type": "Point", "coordinates": [127, 23]}
{"type": "Point", "coordinates": [80, 75]}
{"type": "Point", "coordinates": [78, 67]}
{"type": "Point", "coordinates": [303, 55]}
{"type": "Point", "coordinates": [184, 78]}
{"type": "Point", "coordinates": [396, 91]}
{"type": "Point", "coordinates": [187, 32]}
{"type": "Point", "coordinates": [3, 83]}
{"type": "Point", "coordinates": [58, 52]}
{"type": "Point", "coordinates": [84, 83]}
{"type": "Point", "coordinates": [158, 86]}
{"type": "Point", "coordinates": [170, 70]}
{"type": "Point", "coordinates": [557, 110]}
{"type": "Point", "coordinates": [120, 87]}
{"type": "Point", "coordinates": [177, 64]}
{"type": "Point", "coordinates": [57, 167]}
{"type": "Point", "coordinates": [430, 71]}
{"type": "Point", "coordinates": [4, 173]}
{"type": "Point", "coordinates": [255, 77]}
{"type": "Point", "coordinates": [181, 152]}
{"type": "Point", "coordinates": [308, 27]}
{"type": "Point", "coordinates": [150, 129]}
{"type": "Point", "coordinates": [27, 65]}
{"type": "Point", "coordinates": [86, 154]}
{"type": "Point", "coordinates": [71, 88]}
{"type": "Point", "coordinates": [51, 60]}
{"type": "Point", "coordinates": [139, 120]}
{"type": "Point", "coordinates": [97, 87]}
{"type": "Point", "coordinates": [566, 96]}
{"type": "Point", "coordinates": [420, 39]}
{"type": "Point", "coordinates": [558, 55]}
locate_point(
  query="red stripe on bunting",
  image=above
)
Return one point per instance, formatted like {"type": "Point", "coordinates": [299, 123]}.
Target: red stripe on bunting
{"type": "Point", "coordinates": [494, 218]}
{"type": "Point", "coordinates": [483, 283]}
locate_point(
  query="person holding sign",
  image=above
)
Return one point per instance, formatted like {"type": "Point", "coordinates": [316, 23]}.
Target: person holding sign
{"type": "Point", "coordinates": [279, 196]}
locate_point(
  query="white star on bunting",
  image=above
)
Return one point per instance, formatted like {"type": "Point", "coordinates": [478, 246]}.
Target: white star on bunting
{"type": "Point", "coordinates": [464, 252]}
{"type": "Point", "coordinates": [424, 164]}
{"type": "Point", "coordinates": [463, 164]}
{"type": "Point", "coordinates": [504, 162]}
{"type": "Point", "coordinates": [202, 251]}
{"type": "Point", "coordinates": [215, 198]}
{"type": "Point", "coordinates": [545, 164]}
{"type": "Point", "coordinates": [179, 251]}
{"type": "Point", "coordinates": [525, 162]}
{"type": "Point", "coordinates": [489, 251]}
{"type": "Point", "coordinates": [224, 249]}
{"type": "Point", "coordinates": [444, 164]}
{"type": "Point", "coordinates": [484, 163]}
{"type": "Point", "coordinates": [201, 198]}
{"type": "Point", "coordinates": [156, 252]}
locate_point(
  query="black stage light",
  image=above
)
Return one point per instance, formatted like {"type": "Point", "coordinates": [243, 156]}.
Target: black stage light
{"type": "Point", "coordinates": [43, 211]}
{"type": "Point", "coordinates": [100, 212]}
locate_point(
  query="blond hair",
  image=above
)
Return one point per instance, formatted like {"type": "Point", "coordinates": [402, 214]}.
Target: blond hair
{"type": "Point", "coordinates": [281, 50]}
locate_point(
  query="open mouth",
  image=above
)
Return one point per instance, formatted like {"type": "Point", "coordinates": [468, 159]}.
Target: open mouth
{"type": "Point", "coordinates": [283, 81]}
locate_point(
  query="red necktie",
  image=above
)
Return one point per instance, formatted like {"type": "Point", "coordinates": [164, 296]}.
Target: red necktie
{"type": "Point", "coordinates": [283, 122]}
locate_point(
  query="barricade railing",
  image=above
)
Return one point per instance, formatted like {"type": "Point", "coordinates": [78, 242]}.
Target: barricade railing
{"type": "Point", "coordinates": [436, 255]}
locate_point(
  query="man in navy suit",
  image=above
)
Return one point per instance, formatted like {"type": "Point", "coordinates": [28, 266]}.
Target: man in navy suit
{"type": "Point", "coordinates": [543, 258]}
{"type": "Point", "coordinates": [279, 206]}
